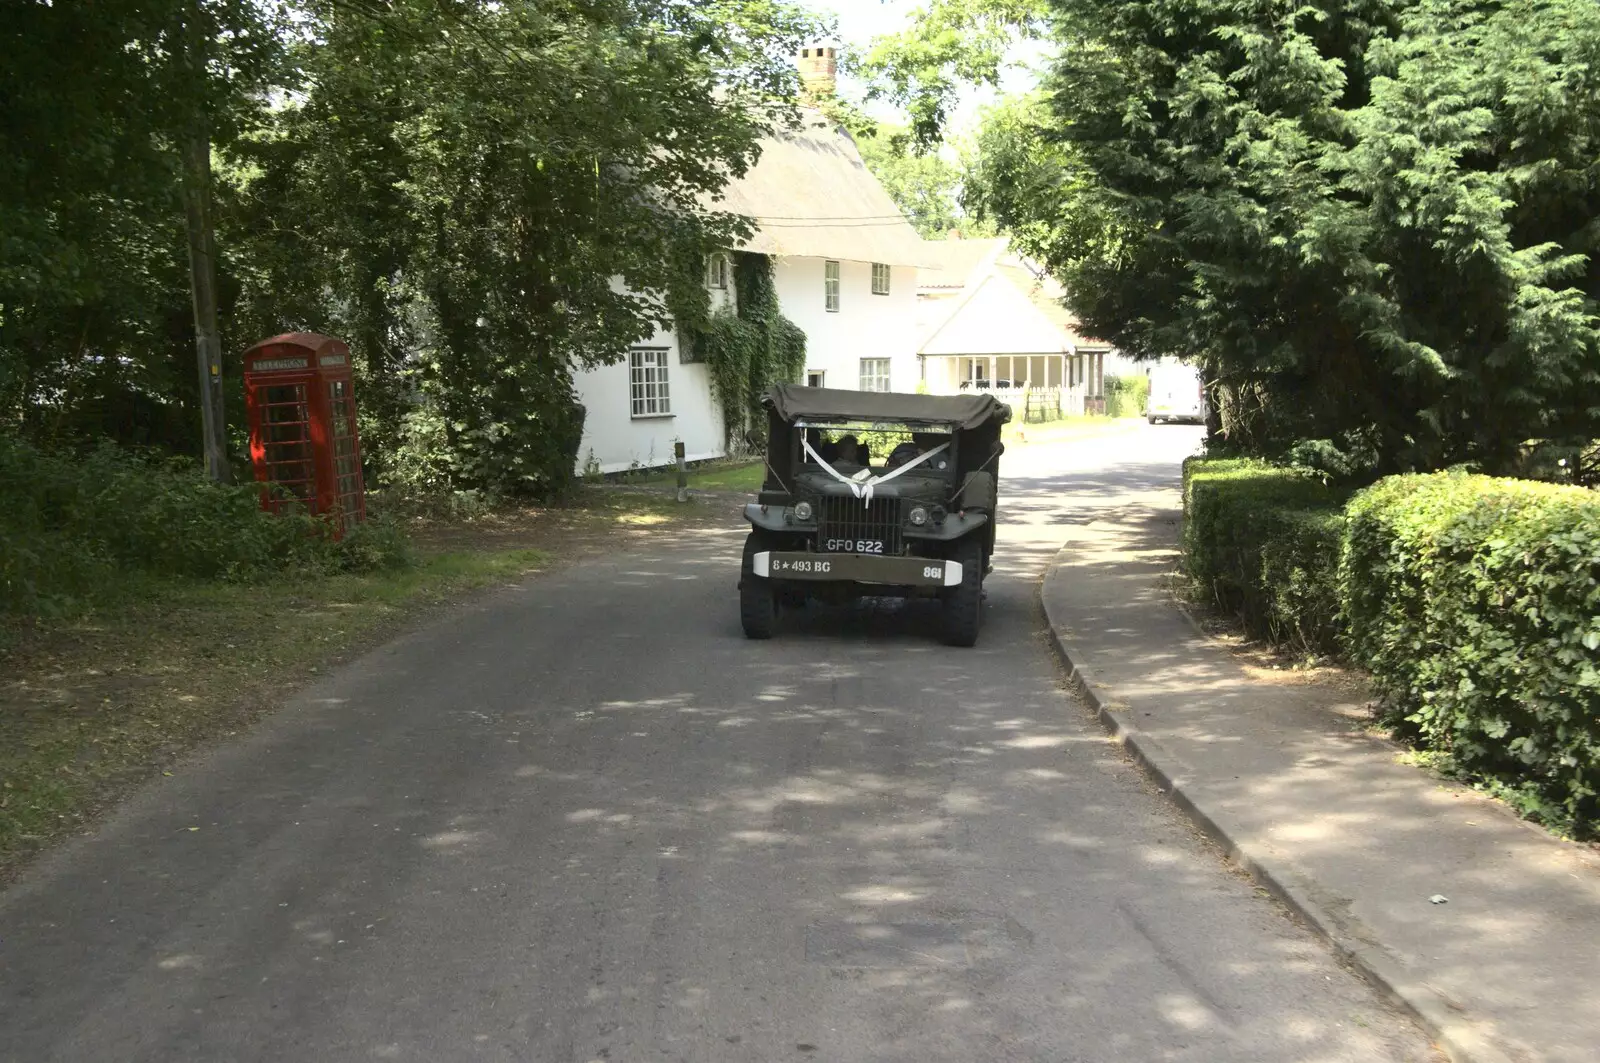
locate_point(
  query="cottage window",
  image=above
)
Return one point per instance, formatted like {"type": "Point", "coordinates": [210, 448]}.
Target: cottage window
{"type": "Point", "coordinates": [647, 382]}
{"type": "Point", "coordinates": [830, 286]}
{"type": "Point", "coordinates": [717, 270]}
{"type": "Point", "coordinates": [874, 374]}
{"type": "Point", "coordinates": [815, 377]}
{"type": "Point", "coordinates": [880, 278]}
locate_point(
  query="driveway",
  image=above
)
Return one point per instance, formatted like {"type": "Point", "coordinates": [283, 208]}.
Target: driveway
{"type": "Point", "coordinates": [583, 819]}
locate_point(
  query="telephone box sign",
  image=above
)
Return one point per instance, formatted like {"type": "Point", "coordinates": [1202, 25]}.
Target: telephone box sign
{"type": "Point", "coordinates": [266, 365]}
{"type": "Point", "coordinates": [304, 446]}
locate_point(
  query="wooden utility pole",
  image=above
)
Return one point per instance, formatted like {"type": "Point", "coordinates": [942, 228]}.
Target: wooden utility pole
{"type": "Point", "coordinates": [202, 256]}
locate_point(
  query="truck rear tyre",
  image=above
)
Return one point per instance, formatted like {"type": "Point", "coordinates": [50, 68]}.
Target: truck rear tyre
{"type": "Point", "coordinates": [963, 603]}
{"type": "Point", "coordinates": [758, 600]}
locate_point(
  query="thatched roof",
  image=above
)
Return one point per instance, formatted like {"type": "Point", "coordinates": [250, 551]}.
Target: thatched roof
{"type": "Point", "coordinates": [950, 264]}
{"type": "Point", "coordinates": [811, 196]}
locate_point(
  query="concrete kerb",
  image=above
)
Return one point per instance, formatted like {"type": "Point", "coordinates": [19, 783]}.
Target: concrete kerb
{"type": "Point", "coordinates": [1459, 1039]}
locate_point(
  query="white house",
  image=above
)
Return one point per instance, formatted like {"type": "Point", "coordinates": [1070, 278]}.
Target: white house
{"type": "Point", "coordinates": [845, 265]}
{"type": "Point", "coordinates": [992, 320]}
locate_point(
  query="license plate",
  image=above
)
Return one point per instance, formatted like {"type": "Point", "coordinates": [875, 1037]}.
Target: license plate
{"type": "Point", "coordinates": [853, 546]}
{"type": "Point", "coordinates": [806, 567]}
{"type": "Point", "coordinates": [858, 568]}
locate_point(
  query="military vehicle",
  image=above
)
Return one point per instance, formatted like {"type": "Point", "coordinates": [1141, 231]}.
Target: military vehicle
{"type": "Point", "coordinates": [871, 493]}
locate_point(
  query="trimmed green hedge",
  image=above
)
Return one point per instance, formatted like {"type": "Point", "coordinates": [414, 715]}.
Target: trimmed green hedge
{"type": "Point", "coordinates": [1475, 603]}
{"type": "Point", "coordinates": [1262, 542]}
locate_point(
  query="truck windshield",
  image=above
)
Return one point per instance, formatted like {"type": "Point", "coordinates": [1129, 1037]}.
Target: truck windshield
{"type": "Point", "coordinates": [879, 448]}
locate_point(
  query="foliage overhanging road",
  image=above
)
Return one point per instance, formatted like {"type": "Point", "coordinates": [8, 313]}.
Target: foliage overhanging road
{"type": "Point", "coordinates": [583, 819]}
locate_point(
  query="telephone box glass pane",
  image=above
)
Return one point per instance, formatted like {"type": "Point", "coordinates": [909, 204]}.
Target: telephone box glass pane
{"type": "Point", "coordinates": [346, 463]}
{"type": "Point", "coordinates": [286, 438]}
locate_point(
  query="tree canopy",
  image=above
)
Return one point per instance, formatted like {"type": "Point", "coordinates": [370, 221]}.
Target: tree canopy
{"type": "Point", "coordinates": [947, 45]}
{"type": "Point", "coordinates": [1373, 222]}
{"type": "Point", "coordinates": [479, 196]}
{"type": "Point", "coordinates": [925, 185]}
{"type": "Point", "coordinates": [93, 293]}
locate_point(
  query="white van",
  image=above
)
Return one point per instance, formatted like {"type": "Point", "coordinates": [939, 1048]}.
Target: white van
{"type": "Point", "coordinates": [1176, 394]}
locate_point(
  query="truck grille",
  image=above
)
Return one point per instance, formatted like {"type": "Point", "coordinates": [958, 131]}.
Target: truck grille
{"type": "Point", "coordinates": [852, 520]}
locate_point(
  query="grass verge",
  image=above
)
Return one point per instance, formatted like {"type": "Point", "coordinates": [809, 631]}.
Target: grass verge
{"type": "Point", "coordinates": [104, 700]}
{"type": "Point", "coordinates": [742, 476]}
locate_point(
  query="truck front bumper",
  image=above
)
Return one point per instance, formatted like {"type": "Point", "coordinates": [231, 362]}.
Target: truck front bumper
{"type": "Point", "coordinates": [857, 568]}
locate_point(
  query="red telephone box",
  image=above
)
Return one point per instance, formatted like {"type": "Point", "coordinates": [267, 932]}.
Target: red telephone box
{"type": "Point", "coordinates": [302, 408]}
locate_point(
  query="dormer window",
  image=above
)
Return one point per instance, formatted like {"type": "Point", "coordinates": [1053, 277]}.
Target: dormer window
{"type": "Point", "coordinates": [718, 270]}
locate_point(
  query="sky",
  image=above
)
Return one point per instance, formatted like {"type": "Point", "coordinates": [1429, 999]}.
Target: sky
{"type": "Point", "coordinates": [861, 20]}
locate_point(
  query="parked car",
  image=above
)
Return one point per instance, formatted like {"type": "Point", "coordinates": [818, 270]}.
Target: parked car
{"type": "Point", "coordinates": [834, 522]}
{"type": "Point", "coordinates": [1176, 394]}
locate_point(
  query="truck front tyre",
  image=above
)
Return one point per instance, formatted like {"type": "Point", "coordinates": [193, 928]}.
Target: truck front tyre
{"type": "Point", "coordinates": [758, 600]}
{"type": "Point", "coordinates": [963, 603]}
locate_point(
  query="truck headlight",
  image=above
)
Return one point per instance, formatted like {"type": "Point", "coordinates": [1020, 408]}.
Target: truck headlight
{"type": "Point", "coordinates": [802, 511]}
{"type": "Point", "coordinates": [918, 516]}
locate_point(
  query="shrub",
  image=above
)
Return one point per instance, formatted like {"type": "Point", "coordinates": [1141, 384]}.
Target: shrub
{"type": "Point", "coordinates": [71, 522]}
{"type": "Point", "coordinates": [1475, 603]}
{"type": "Point", "coordinates": [378, 544]}
{"type": "Point", "coordinates": [1127, 396]}
{"type": "Point", "coordinates": [1262, 542]}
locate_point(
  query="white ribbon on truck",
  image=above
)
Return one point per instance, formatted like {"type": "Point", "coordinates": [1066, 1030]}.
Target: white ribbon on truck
{"type": "Point", "coordinates": [863, 488]}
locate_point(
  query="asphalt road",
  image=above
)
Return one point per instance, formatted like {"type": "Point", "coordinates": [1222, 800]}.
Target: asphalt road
{"type": "Point", "coordinates": [583, 819]}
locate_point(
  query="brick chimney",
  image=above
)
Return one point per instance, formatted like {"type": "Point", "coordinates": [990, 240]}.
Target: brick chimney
{"type": "Point", "coordinates": [819, 71]}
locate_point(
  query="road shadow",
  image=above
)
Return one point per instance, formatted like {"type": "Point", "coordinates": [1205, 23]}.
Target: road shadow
{"type": "Point", "coordinates": [585, 819]}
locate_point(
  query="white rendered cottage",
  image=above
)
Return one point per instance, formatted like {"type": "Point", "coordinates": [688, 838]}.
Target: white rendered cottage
{"type": "Point", "coordinates": [992, 320]}
{"type": "Point", "coordinates": [845, 270]}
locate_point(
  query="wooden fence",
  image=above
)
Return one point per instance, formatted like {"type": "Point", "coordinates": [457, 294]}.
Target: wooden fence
{"type": "Point", "coordinates": [1033, 405]}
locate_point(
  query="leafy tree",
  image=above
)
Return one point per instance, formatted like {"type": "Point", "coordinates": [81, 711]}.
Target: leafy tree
{"type": "Point", "coordinates": [948, 44]}
{"type": "Point", "coordinates": [93, 299]}
{"type": "Point", "coordinates": [1371, 222]}
{"type": "Point", "coordinates": [925, 186]}
{"type": "Point", "coordinates": [1475, 162]}
{"type": "Point", "coordinates": [1013, 172]}
{"type": "Point", "coordinates": [479, 245]}
{"type": "Point", "coordinates": [481, 195]}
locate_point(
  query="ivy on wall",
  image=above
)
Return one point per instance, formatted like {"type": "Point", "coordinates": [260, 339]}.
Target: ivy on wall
{"type": "Point", "coordinates": [746, 350]}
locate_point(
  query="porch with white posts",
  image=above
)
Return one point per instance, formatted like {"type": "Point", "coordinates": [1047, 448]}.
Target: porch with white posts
{"type": "Point", "coordinates": [1063, 383]}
